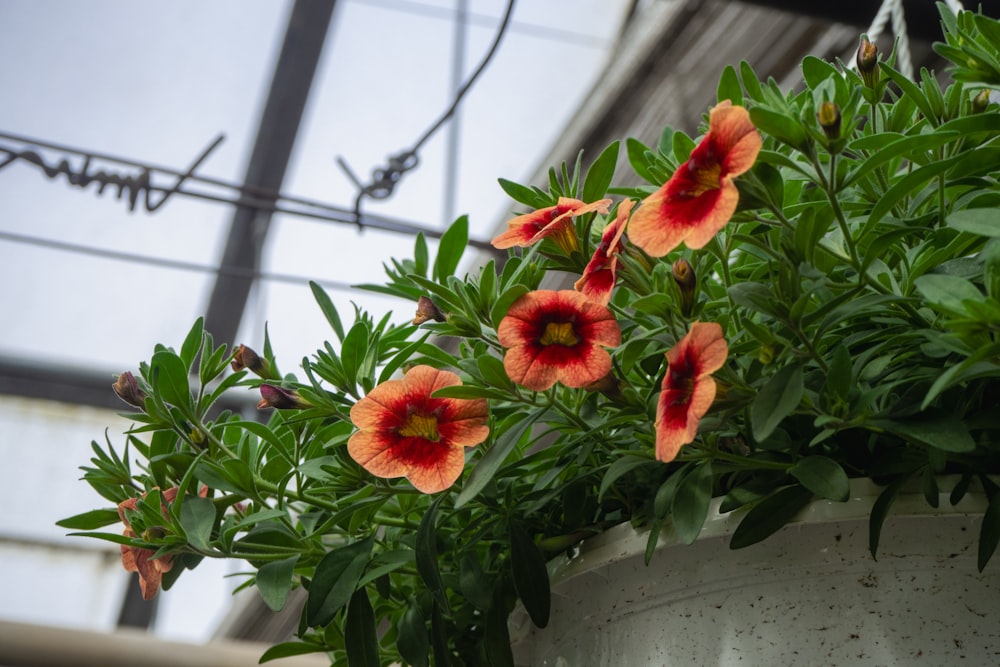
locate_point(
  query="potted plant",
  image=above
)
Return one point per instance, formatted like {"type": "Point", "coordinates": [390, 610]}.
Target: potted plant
{"type": "Point", "coordinates": [805, 295]}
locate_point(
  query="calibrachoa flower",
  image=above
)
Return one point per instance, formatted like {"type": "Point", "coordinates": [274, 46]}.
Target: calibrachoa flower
{"type": "Point", "coordinates": [552, 221]}
{"type": "Point", "coordinates": [137, 559]}
{"type": "Point", "coordinates": [598, 279]}
{"type": "Point", "coordinates": [403, 431]}
{"type": "Point", "coordinates": [557, 337]}
{"type": "Point", "coordinates": [688, 390]}
{"type": "Point", "coordinates": [700, 198]}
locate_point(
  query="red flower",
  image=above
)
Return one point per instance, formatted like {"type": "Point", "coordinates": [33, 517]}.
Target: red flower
{"type": "Point", "coordinates": [557, 337]}
{"type": "Point", "coordinates": [403, 431]}
{"type": "Point", "coordinates": [688, 390]}
{"type": "Point", "coordinates": [136, 559]}
{"type": "Point", "coordinates": [700, 198]}
{"type": "Point", "coordinates": [598, 279]}
{"type": "Point", "coordinates": [553, 221]}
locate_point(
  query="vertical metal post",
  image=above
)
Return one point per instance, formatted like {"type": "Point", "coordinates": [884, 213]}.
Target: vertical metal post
{"type": "Point", "coordinates": [454, 126]}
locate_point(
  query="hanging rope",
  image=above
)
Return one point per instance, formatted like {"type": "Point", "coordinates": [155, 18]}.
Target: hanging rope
{"type": "Point", "coordinates": [892, 10]}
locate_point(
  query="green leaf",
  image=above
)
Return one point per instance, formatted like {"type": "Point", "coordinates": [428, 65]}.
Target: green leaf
{"type": "Point", "coordinates": [523, 194]}
{"type": "Point", "coordinates": [778, 125]}
{"type": "Point", "coordinates": [989, 532]}
{"type": "Point", "coordinates": [599, 176]}
{"type": "Point", "coordinates": [329, 310]}
{"type": "Point", "coordinates": [413, 640]}
{"type": "Point", "coordinates": [637, 157]}
{"type": "Point", "coordinates": [472, 581]}
{"type": "Point", "coordinates": [487, 466]}
{"type": "Point", "coordinates": [496, 638]}
{"type": "Point", "coordinates": [948, 292]}
{"type": "Point", "coordinates": [982, 221]}
{"type": "Point", "coordinates": [197, 519]}
{"type": "Point", "coordinates": [775, 401]}
{"type": "Point", "coordinates": [690, 505]}
{"type": "Point", "coordinates": [421, 258]}
{"type": "Point", "coordinates": [439, 640]}
{"type": "Point", "coordinates": [729, 87]}
{"type": "Point", "coordinates": [192, 343]}
{"type": "Point", "coordinates": [769, 515]}
{"type": "Point", "coordinates": [354, 350]}
{"type": "Point", "coordinates": [335, 579]}
{"type": "Point", "coordinates": [816, 71]}
{"type": "Point", "coordinates": [90, 520]}
{"type": "Point", "coordinates": [941, 431]}
{"type": "Point", "coordinates": [822, 476]}
{"type": "Point", "coordinates": [360, 637]}
{"type": "Point", "coordinates": [169, 377]}
{"type": "Point", "coordinates": [289, 649]}
{"type": "Point", "coordinates": [840, 377]}
{"type": "Point", "coordinates": [880, 510]}
{"type": "Point", "coordinates": [427, 556]}
{"type": "Point", "coordinates": [750, 82]}
{"type": "Point", "coordinates": [274, 581]}
{"type": "Point", "coordinates": [531, 578]}
{"type": "Point", "coordinates": [450, 249]}
{"type": "Point", "coordinates": [620, 467]}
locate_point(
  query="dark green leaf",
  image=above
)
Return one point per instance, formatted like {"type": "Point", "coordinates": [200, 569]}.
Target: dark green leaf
{"type": "Point", "coordinates": [439, 640]}
{"type": "Point", "coordinates": [169, 377]}
{"type": "Point", "coordinates": [487, 466]}
{"type": "Point", "coordinates": [360, 637]}
{"type": "Point", "coordinates": [945, 432]}
{"type": "Point", "coordinates": [769, 515]}
{"type": "Point", "coordinates": [823, 476]}
{"type": "Point", "coordinates": [472, 581]}
{"type": "Point", "coordinates": [450, 249]}
{"type": "Point", "coordinates": [426, 553]}
{"type": "Point", "coordinates": [531, 578]}
{"type": "Point", "coordinates": [620, 467]}
{"type": "Point", "coordinates": [690, 505]}
{"type": "Point", "coordinates": [778, 399]}
{"type": "Point", "coordinates": [989, 533]}
{"type": "Point", "coordinates": [880, 510]}
{"type": "Point", "coordinates": [413, 640]}
{"type": "Point", "coordinates": [840, 377]}
{"type": "Point", "coordinates": [288, 649]}
{"type": "Point", "coordinates": [335, 579]}
{"type": "Point", "coordinates": [90, 520]}
{"type": "Point", "coordinates": [496, 638]}
{"type": "Point", "coordinates": [274, 581]}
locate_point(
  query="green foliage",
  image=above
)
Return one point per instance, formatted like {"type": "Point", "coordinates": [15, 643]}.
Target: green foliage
{"type": "Point", "coordinates": [857, 286]}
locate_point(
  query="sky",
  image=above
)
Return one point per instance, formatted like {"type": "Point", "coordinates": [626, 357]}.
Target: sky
{"type": "Point", "coordinates": [157, 82]}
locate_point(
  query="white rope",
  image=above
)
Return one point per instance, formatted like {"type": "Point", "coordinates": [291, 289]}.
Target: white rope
{"type": "Point", "coordinates": [893, 10]}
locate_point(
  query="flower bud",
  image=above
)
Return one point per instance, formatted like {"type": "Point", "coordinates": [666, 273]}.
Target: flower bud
{"type": "Point", "coordinates": [128, 390]}
{"type": "Point", "coordinates": [280, 398]}
{"type": "Point", "coordinates": [244, 357]}
{"type": "Point", "coordinates": [981, 101]}
{"type": "Point", "coordinates": [829, 119]}
{"type": "Point", "coordinates": [867, 61]}
{"type": "Point", "coordinates": [427, 310]}
{"type": "Point", "coordinates": [686, 282]}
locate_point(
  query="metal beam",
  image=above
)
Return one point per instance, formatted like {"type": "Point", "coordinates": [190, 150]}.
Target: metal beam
{"type": "Point", "coordinates": [293, 76]}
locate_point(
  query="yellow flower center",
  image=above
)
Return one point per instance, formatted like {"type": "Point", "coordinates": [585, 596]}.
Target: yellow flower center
{"type": "Point", "coordinates": [559, 333]}
{"type": "Point", "coordinates": [707, 176]}
{"type": "Point", "coordinates": [421, 426]}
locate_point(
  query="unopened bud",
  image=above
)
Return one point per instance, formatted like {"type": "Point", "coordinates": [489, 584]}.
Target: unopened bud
{"type": "Point", "coordinates": [427, 310]}
{"type": "Point", "coordinates": [282, 399]}
{"type": "Point", "coordinates": [607, 385]}
{"type": "Point", "coordinates": [981, 101]}
{"type": "Point", "coordinates": [867, 61]}
{"type": "Point", "coordinates": [128, 390]}
{"type": "Point", "coordinates": [244, 357]}
{"type": "Point", "coordinates": [829, 119]}
{"type": "Point", "coordinates": [686, 281]}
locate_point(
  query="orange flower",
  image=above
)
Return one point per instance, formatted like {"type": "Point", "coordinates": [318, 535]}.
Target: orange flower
{"type": "Point", "coordinates": [137, 559]}
{"type": "Point", "coordinates": [403, 431]}
{"type": "Point", "coordinates": [552, 221]}
{"type": "Point", "coordinates": [700, 198]}
{"type": "Point", "coordinates": [598, 279]}
{"type": "Point", "coordinates": [688, 390]}
{"type": "Point", "coordinates": [557, 337]}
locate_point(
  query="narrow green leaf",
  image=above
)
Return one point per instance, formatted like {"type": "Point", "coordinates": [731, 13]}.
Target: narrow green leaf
{"type": "Point", "coordinates": [289, 649]}
{"type": "Point", "coordinates": [90, 520]}
{"type": "Point", "coordinates": [472, 581]}
{"type": "Point", "coordinates": [775, 401]}
{"type": "Point", "coordinates": [360, 637]}
{"type": "Point", "coordinates": [948, 292]}
{"type": "Point", "coordinates": [531, 578]}
{"type": "Point", "coordinates": [880, 510]}
{"type": "Point", "coordinates": [197, 517]}
{"type": "Point", "coordinates": [621, 467]}
{"type": "Point", "coordinates": [487, 466]}
{"type": "Point", "coordinates": [335, 579]}
{"type": "Point", "coordinates": [450, 249]}
{"type": "Point", "coordinates": [823, 476]}
{"type": "Point", "coordinates": [601, 172]}
{"type": "Point", "coordinates": [421, 258]}
{"type": "Point", "coordinates": [523, 194]}
{"type": "Point", "coordinates": [329, 310]}
{"type": "Point", "coordinates": [439, 640]}
{"type": "Point", "coordinates": [989, 533]}
{"type": "Point", "coordinates": [652, 540]}
{"type": "Point", "coordinates": [274, 581]}
{"type": "Point", "coordinates": [169, 376]}
{"type": "Point", "coordinates": [426, 554]}
{"type": "Point", "coordinates": [496, 638]}
{"type": "Point", "coordinates": [941, 431]}
{"type": "Point", "coordinates": [690, 505]}
{"type": "Point", "coordinates": [769, 515]}
{"type": "Point", "coordinates": [729, 87]}
{"type": "Point", "coordinates": [192, 343]}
